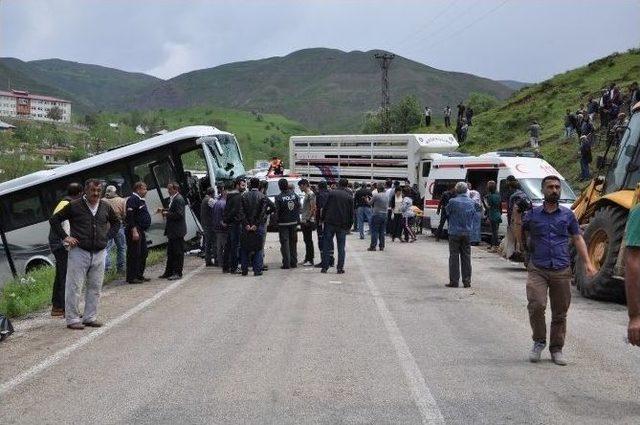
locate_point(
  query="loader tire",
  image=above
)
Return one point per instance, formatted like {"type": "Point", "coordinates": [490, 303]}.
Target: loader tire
{"type": "Point", "coordinates": [603, 237]}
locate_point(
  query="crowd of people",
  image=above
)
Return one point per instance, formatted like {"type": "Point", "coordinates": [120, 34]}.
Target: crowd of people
{"type": "Point", "coordinates": [463, 121]}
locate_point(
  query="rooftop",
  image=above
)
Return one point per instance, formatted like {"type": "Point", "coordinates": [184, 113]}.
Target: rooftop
{"type": "Point", "coordinates": [26, 94]}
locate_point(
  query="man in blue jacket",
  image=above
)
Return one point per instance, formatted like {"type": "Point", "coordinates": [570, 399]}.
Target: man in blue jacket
{"type": "Point", "coordinates": [461, 211]}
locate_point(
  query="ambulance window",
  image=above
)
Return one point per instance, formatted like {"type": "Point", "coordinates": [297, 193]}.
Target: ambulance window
{"type": "Point", "coordinates": [426, 168]}
{"type": "Point", "coordinates": [441, 186]}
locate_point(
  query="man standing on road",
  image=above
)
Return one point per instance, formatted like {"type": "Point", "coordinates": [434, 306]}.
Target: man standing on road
{"type": "Point", "coordinates": [116, 235]}
{"type": "Point", "coordinates": [632, 274]}
{"type": "Point", "coordinates": [209, 236]}
{"type": "Point", "coordinates": [89, 220]}
{"type": "Point", "coordinates": [253, 213]}
{"type": "Point", "coordinates": [363, 208]}
{"type": "Point", "coordinates": [220, 228]}
{"type": "Point", "coordinates": [231, 218]}
{"type": "Point", "coordinates": [337, 216]}
{"type": "Point", "coordinates": [442, 209]}
{"type": "Point", "coordinates": [308, 220]}
{"type": "Point", "coordinates": [138, 220]}
{"type": "Point", "coordinates": [549, 227]}
{"type": "Point", "coordinates": [288, 211]}
{"type": "Point", "coordinates": [380, 205]}
{"type": "Point", "coordinates": [461, 211]}
{"type": "Point", "coordinates": [388, 184]}
{"type": "Point", "coordinates": [175, 231]}
{"type": "Point", "coordinates": [74, 191]}
{"type": "Point", "coordinates": [321, 201]}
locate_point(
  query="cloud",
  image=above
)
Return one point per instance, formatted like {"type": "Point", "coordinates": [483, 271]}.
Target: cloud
{"type": "Point", "coordinates": [177, 59]}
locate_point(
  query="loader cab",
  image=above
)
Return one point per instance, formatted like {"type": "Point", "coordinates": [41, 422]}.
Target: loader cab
{"type": "Point", "coordinates": [624, 172]}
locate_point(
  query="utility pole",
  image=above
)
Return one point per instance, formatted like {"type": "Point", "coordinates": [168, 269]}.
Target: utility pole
{"type": "Point", "coordinates": [384, 59]}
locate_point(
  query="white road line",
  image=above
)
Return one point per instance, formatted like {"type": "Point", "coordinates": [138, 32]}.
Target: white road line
{"type": "Point", "coordinates": [60, 355]}
{"type": "Point", "coordinates": [422, 396]}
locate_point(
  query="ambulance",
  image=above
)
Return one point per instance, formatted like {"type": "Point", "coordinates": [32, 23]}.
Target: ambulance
{"type": "Point", "coordinates": [479, 170]}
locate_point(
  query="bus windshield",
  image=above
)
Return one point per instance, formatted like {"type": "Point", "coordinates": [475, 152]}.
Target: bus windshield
{"type": "Point", "coordinates": [228, 164]}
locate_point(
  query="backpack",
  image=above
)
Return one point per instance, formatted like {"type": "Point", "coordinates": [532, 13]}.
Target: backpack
{"type": "Point", "coordinates": [6, 328]}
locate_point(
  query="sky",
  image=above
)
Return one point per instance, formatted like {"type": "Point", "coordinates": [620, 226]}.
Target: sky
{"type": "Point", "coordinates": [524, 40]}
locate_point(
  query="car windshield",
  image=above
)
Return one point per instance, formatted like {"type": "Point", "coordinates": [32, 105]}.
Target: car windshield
{"type": "Point", "coordinates": [532, 187]}
{"type": "Point", "coordinates": [273, 189]}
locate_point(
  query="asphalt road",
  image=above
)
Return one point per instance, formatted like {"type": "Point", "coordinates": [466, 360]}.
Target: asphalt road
{"type": "Point", "coordinates": [384, 343]}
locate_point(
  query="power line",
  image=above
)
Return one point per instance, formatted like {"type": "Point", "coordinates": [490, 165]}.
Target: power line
{"type": "Point", "coordinates": [410, 37]}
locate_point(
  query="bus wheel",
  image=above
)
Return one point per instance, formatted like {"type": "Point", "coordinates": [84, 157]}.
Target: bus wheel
{"type": "Point", "coordinates": [35, 264]}
{"type": "Point", "coordinates": [603, 237]}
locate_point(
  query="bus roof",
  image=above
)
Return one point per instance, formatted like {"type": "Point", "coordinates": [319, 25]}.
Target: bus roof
{"type": "Point", "coordinates": [43, 176]}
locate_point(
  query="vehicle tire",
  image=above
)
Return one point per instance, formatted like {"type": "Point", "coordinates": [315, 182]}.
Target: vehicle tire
{"type": "Point", "coordinates": [603, 237]}
{"type": "Point", "coordinates": [35, 264]}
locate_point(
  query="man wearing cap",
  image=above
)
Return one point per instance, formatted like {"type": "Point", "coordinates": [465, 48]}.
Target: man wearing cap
{"type": "Point", "coordinates": [116, 234]}
{"type": "Point", "coordinates": [137, 222]}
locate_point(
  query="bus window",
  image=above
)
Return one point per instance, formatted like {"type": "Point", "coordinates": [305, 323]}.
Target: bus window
{"type": "Point", "coordinates": [24, 209]}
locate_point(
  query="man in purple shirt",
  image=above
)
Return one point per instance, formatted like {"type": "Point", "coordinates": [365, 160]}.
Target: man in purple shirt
{"type": "Point", "coordinates": [548, 228]}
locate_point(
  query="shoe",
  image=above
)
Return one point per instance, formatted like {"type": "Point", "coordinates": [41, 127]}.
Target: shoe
{"type": "Point", "coordinates": [294, 266]}
{"type": "Point", "coordinates": [234, 271]}
{"type": "Point", "coordinates": [265, 268]}
{"type": "Point", "coordinates": [135, 281]}
{"type": "Point", "coordinates": [245, 272]}
{"type": "Point", "coordinates": [57, 312]}
{"type": "Point", "coordinates": [451, 285]}
{"type": "Point", "coordinates": [175, 277]}
{"type": "Point", "coordinates": [323, 270]}
{"type": "Point", "coordinates": [307, 264]}
{"type": "Point", "coordinates": [164, 276]}
{"type": "Point", "coordinates": [361, 237]}
{"type": "Point", "coordinates": [76, 326]}
{"type": "Point", "coordinates": [319, 265]}
{"type": "Point", "coordinates": [467, 285]}
{"type": "Point", "coordinates": [209, 265]}
{"type": "Point", "coordinates": [257, 273]}
{"type": "Point", "coordinates": [340, 271]}
{"type": "Point", "coordinates": [144, 279]}
{"type": "Point", "coordinates": [371, 248]}
{"type": "Point", "coordinates": [558, 358]}
{"type": "Point", "coordinates": [285, 267]}
{"type": "Point", "coordinates": [94, 324]}
{"type": "Point", "coordinates": [412, 240]}
{"type": "Point", "coordinates": [381, 249]}
{"type": "Point", "coordinates": [536, 351]}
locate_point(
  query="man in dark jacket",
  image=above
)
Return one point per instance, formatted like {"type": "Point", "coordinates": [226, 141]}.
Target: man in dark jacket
{"type": "Point", "coordinates": [337, 217]}
{"type": "Point", "coordinates": [321, 201]}
{"type": "Point", "coordinates": [362, 198]}
{"type": "Point", "coordinates": [175, 231]}
{"type": "Point", "coordinates": [442, 209]}
{"type": "Point", "coordinates": [74, 191]}
{"type": "Point", "coordinates": [90, 220]}
{"type": "Point", "coordinates": [232, 219]}
{"type": "Point", "coordinates": [288, 212]}
{"type": "Point", "coordinates": [138, 221]}
{"type": "Point", "coordinates": [254, 211]}
{"type": "Point", "coordinates": [220, 228]}
{"type": "Point", "coordinates": [209, 236]}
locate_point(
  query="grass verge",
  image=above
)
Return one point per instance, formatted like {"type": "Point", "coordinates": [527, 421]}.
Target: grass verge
{"type": "Point", "coordinates": [32, 292]}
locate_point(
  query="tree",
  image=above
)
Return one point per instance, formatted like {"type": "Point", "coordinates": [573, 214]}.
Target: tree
{"type": "Point", "coordinates": [55, 114]}
{"type": "Point", "coordinates": [405, 115]}
{"type": "Point", "coordinates": [481, 102]}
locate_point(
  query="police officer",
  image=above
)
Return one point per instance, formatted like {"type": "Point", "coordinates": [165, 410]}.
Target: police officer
{"type": "Point", "coordinates": [138, 221]}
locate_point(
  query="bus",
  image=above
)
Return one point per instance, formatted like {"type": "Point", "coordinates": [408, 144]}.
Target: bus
{"type": "Point", "coordinates": [26, 203]}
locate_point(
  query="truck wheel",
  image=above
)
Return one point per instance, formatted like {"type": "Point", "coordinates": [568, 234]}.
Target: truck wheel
{"type": "Point", "coordinates": [603, 237]}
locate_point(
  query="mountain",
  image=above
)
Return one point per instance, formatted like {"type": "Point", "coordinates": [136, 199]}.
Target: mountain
{"type": "Point", "coordinates": [505, 126]}
{"type": "Point", "coordinates": [323, 88]}
{"type": "Point", "coordinates": [513, 84]}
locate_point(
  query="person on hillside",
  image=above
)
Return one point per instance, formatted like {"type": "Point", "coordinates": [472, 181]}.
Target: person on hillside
{"type": "Point", "coordinates": [308, 220]}
{"type": "Point", "coordinates": [362, 199]}
{"type": "Point", "coordinates": [288, 211]}
{"type": "Point", "coordinates": [231, 218]}
{"type": "Point", "coordinates": [569, 124]}
{"type": "Point", "coordinates": [476, 229]}
{"type": "Point", "coordinates": [427, 116]}
{"type": "Point", "coordinates": [209, 236]}
{"type": "Point", "coordinates": [632, 274]}
{"type": "Point", "coordinates": [321, 202]}
{"type": "Point", "coordinates": [603, 107]}
{"type": "Point", "coordinates": [380, 204]}
{"type": "Point", "coordinates": [60, 253]}
{"type": "Point", "coordinates": [175, 230]}
{"type": "Point", "coordinates": [442, 209]}
{"type": "Point", "coordinates": [618, 127]}
{"type": "Point", "coordinates": [116, 235]}
{"type": "Point", "coordinates": [90, 219]}
{"type": "Point", "coordinates": [337, 216]}
{"type": "Point", "coordinates": [464, 129]}
{"type": "Point", "coordinates": [494, 213]}
{"type": "Point", "coordinates": [461, 109]}
{"type": "Point", "coordinates": [592, 109]}
{"type": "Point", "coordinates": [461, 211]}
{"type": "Point", "coordinates": [586, 128]}
{"type": "Point", "coordinates": [585, 158]}
{"type": "Point", "coordinates": [549, 227]}
{"type": "Point", "coordinates": [534, 134]}
{"type": "Point", "coordinates": [447, 116]}
{"type": "Point", "coordinates": [408, 216]}
{"type": "Point", "coordinates": [138, 221]}
{"type": "Point", "coordinates": [253, 217]}
{"type": "Point", "coordinates": [396, 207]}
{"type": "Point", "coordinates": [469, 114]}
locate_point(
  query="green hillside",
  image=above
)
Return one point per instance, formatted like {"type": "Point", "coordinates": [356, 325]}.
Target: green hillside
{"type": "Point", "coordinates": [505, 126]}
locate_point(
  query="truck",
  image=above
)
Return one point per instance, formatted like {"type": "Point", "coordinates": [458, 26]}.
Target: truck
{"type": "Point", "coordinates": [602, 210]}
{"type": "Point", "coordinates": [369, 157]}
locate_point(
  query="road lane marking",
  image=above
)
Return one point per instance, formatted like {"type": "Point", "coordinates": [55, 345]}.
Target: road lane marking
{"type": "Point", "coordinates": [431, 414]}
{"type": "Point", "coordinates": [60, 355]}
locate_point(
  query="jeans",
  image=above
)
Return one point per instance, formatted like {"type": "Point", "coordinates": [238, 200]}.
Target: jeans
{"type": "Point", "coordinates": [341, 238]}
{"type": "Point", "coordinates": [83, 266]}
{"type": "Point", "coordinates": [307, 236]}
{"type": "Point", "coordinates": [584, 169]}
{"type": "Point", "coordinates": [558, 284]}
{"type": "Point", "coordinates": [57, 297]}
{"type": "Point", "coordinates": [289, 245]}
{"type": "Point", "coordinates": [363, 213]}
{"type": "Point", "coordinates": [378, 226]}
{"type": "Point", "coordinates": [209, 239]}
{"type": "Point", "coordinates": [121, 246]}
{"type": "Point", "coordinates": [233, 245]}
{"type": "Point", "coordinates": [459, 256]}
{"type": "Point", "coordinates": [258, 255]}
{"type": "Point", "coordinates": [221, 249]}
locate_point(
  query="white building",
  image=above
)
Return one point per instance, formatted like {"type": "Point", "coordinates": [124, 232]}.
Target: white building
{"type": "Point", "coordinates": [22, 104]}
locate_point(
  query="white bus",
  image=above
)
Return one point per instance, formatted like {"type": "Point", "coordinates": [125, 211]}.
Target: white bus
{"type": "Point", "coordinates": [368, 157]}
{"type": "Point", "coordinates": [26, 203]}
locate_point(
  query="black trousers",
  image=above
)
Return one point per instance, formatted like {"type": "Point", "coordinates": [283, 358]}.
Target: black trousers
{"type": "Point", "coordinates": [447, 122]}
{"type": "Point", "coordinates": [175, 257]}
{"type": "Point", "coordinates": [307, 236]}
{"type": "Point", "coordinates": [443, 220]}
{"type": "Point", "coordinates": [209, 248]}
{"type": "Point", "coordinates": [396, 227]}
{"type": "Point", "coordinates": [57, 297]}
{"type": "Point", "coordinates": [320, 232]}
{"type": "Point", "coordinates": [289, 245]}
{"type": "Point", "coordinates": [137, 252]}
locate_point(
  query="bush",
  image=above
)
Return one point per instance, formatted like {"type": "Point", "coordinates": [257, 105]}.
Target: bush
{"type": "Point", "coordinates": [29, 293]}
{"type": "Point", "coordinates": [481, 102]}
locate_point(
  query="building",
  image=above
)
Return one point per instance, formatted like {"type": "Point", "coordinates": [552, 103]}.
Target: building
{"type": "Point", "coordinates": [54, 157]}
{"type": "Point", "coordinates": [22, 104]}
